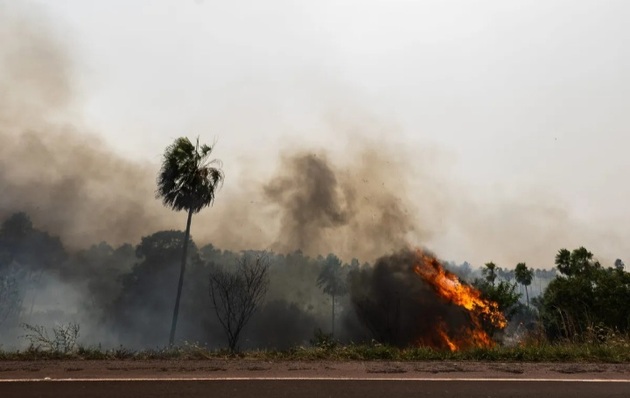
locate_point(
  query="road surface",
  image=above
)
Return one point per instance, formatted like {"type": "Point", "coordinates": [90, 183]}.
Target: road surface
{"type": "Point", "coordinates": [260, 379]}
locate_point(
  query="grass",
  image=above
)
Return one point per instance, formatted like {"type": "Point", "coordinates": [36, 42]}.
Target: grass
{"type": "Point", "coordinates": [616, 352]}
{"type": "Point", "coordinates": [608, 347]}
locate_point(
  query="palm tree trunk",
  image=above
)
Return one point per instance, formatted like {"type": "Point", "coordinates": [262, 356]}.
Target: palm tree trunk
{"type": "Point", "coordinates": [171, 339]}
{"type": "Point", "coordinates": [333, 316]}
{"type": "Point", "coordinates": [527, 295]}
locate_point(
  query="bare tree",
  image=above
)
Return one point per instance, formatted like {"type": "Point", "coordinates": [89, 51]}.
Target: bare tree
{"type": "Point", "coordinates": [237, 294]}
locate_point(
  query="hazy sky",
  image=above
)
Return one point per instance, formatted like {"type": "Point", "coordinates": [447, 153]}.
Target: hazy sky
{"type": "Point", "coordinates": [519, 101]}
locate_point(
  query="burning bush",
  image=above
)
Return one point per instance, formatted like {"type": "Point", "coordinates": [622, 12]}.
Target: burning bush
{"type": "Point", "coordinates": [408, 298]}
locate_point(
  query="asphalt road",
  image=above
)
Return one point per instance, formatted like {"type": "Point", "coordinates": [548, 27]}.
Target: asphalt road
{"type": "Point", "coordinates": [236, 378]}
{"type": "Point", "coordinates": [316, 388]}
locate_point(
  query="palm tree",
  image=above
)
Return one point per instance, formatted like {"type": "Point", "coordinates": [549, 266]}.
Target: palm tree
{"type": "Point", "coordinates": [524, 276]}
{"type": "Point", "coordinates": [187, 181]}
{"type": "Point", "coordinates": [332, 281]}
{"type": "Point", "coordinates": [490, 272]}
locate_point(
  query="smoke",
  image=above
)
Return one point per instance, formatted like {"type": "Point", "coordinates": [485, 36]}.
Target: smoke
{"type": "Point", "coordinates": [53, 168]}
{"type": "Point", "coordinates": [361, 199]}
{"type": "Point", "coordinates": [348, 211]}
{"type": "Point", "coordinates": [73, 185]}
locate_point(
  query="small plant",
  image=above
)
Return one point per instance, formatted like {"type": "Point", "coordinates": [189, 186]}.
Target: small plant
{"type": "Point", "coordinates": [63, 340]}
{"type": "Point", "coordinates": [323, 340]}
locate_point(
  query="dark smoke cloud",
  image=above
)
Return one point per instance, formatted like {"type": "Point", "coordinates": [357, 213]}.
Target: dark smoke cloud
{"type": "Point", "coordinates": [310, 198]}
{"type": "Point", "coordinates": [351, 211]}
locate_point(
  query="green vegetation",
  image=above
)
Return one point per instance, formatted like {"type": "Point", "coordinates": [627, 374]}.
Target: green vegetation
{"type": "Point", "coordinates": [609, 352]}
{"type": "Point", "coordinates": [490, 272]}
{"type": "Point", "coordinates": [586, 299]}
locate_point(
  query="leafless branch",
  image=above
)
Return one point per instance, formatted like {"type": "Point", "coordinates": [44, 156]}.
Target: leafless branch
{"type": "Point", "coordinates": [237, 294]}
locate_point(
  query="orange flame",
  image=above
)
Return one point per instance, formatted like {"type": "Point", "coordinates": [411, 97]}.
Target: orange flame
{"type": "Point", "coordinates": [444, 336]}
{"type": "Point", "coordinates": [448, 286]}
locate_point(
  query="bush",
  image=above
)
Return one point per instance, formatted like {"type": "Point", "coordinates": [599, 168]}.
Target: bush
{"type": "Point", "coordinates": [63, 340]}
{"type": "Point", "coordinates": [323, 340]}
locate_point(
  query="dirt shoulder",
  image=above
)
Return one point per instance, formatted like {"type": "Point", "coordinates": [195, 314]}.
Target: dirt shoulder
{"type": "Point", "coordinates": [227, 368]}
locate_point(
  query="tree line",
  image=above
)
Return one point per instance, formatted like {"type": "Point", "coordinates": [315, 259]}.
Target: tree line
{"type": "Point", "coordinates": [128, 291]}
{"type": "Point", "coordinates": [263, 299]}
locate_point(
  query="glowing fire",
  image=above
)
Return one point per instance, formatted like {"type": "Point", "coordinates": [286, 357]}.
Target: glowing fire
{"type": "Point", "coordinates": [447, 286]}
{"type": "Point", "coordinates": [444, 336]}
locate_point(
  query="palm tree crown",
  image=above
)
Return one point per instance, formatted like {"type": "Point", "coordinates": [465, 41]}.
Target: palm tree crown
{"type": "Point", "coordinates": [187, 179]}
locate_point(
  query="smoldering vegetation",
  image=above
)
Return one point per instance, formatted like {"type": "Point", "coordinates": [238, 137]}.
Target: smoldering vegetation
{"type": "Point", "coordinates": [400, 308]}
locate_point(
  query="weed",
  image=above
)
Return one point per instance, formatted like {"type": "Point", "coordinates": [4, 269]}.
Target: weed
{"type": "Point", "coordinates": [63, 340]}
{"type": "Point", "coordinates": [323, 340]}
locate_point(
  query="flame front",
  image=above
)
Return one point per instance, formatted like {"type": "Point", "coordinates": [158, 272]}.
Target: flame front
{"type": "Point", "coordinates": [445, 338]}
{"type": "Point", "coordinates": [448, 287]}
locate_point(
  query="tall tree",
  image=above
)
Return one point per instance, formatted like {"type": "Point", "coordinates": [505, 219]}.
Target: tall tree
{"type": "Point", "coordinates": [579, 262]}
{"type": "Point", "coordinates": [188, 180]}
{"type": "Point", "coordinates": [584, 298]}
{"type": "Point", "coordinates": [490, 272]}
{"type": "Point", "coordinates": [524, 276]}
{"type": "Point", "coordinates": [332, 280]}
{"type": "Point", "coordinates": [619, 265]}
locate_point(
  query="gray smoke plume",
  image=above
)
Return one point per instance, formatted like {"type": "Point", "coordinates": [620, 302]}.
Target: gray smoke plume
{"type": "Point", "coordinates": [51, 167]}
{"type": "Point", "coordinates": [311, 200]}
{"type": "Point", "coordinates": [326, 208]}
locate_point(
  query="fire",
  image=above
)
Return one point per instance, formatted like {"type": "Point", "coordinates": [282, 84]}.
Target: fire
{"type": "Point", "coordinates": [449, 288]}
{"type": "Point", "coordinates": [444, 336]}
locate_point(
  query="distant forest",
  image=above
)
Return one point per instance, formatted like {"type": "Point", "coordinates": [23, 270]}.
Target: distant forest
{"type": "Point", "coordinates": [124, 295]}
